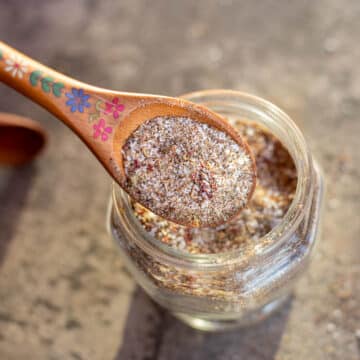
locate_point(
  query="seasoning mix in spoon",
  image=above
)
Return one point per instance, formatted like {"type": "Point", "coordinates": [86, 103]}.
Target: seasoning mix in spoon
{"type": "Point", "coordinates": [187, 171]}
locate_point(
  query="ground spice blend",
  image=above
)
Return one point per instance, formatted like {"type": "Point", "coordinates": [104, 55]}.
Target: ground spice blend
{"type": "Point", "coordinates": [275, 189]}
{"type": "Point", "coordinates": [187, 171]}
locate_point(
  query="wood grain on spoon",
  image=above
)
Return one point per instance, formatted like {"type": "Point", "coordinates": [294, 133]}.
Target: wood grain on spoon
{"type": "Point", "coordinates": [103, 119]}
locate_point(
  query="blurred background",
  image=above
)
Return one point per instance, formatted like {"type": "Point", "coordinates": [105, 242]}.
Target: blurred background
{"type": "Point", "coordinates": [64, 293]}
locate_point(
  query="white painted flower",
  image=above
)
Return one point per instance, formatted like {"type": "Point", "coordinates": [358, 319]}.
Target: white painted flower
{"type": "Point", "coordinates": [16, 66]}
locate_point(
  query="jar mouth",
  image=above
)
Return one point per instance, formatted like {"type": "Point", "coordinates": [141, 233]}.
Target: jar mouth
{"type": "Point", "coordinates": [286, 131]}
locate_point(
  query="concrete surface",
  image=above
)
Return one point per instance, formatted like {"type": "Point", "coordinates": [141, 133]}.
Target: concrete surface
{"type": "Point", "coordinates": [64, 293]}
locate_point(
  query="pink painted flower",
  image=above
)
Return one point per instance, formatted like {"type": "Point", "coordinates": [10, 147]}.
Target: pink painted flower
{"type": "Point", "coordinates": [114, 108]}
{"type": "Point", "coordinates": [101, 130]}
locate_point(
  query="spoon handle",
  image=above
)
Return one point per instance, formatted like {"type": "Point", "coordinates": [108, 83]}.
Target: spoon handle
{"type": "Point", "coordinates": [41, 84]}
{"type": "Point", "coordinates": [91, 112]}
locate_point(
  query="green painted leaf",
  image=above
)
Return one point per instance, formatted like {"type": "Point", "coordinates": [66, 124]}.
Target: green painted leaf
{"type": "Point", "coordinates": [1, 55]}
{"type": "Point", "coordinates": [57, 87]}
{"type": "Point", "coordinates": [93, 117]}
{"type": "Point", "coordinates": [98, 105]}
{"type": "Point", "coordinates": [34, 77]}
{"type": "Point", "coordinates": [46, 83]}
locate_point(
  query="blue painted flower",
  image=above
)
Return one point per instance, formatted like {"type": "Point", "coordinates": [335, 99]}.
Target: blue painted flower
{"type": "Point", "coordinates": [78, 100]}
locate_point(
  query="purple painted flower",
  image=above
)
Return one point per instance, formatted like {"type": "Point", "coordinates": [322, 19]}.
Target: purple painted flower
{"type": "Point", "coordinates": [78, 100]}
{"type": "Point", "coordinates": [100, 129]}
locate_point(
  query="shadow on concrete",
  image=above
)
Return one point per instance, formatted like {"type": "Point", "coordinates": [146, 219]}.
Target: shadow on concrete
{"type": "Point", "coordinates": [151, 333]}
{"type": "Point", "coordinates": [14, 187]}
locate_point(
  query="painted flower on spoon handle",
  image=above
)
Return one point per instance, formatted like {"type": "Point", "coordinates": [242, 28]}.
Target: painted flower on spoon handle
{"type": "Point", "coordinates": [78, 100]}
{"type": "Point", "coordinates": [114, 107]}
{"type": "Point", "coordinates": [16, 66]}
{"type": "Point", "coordinates": [101, 130]}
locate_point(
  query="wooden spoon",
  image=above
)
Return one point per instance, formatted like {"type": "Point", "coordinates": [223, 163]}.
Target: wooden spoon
{"type": "Point", "coordinates": [21, 139]}
{"type": "Point", "coordinates": [103, 119]}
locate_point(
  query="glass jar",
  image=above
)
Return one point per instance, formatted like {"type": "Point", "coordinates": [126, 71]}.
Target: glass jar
{"type": "Point", "coordinates": [229, 289]}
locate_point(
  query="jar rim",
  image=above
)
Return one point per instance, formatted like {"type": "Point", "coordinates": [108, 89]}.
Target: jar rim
{"type": "Point", "coordinates": [281, 232]}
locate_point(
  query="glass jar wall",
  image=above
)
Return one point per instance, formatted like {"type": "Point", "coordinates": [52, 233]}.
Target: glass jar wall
{"type": "Point", "coordinates": [242, 286]}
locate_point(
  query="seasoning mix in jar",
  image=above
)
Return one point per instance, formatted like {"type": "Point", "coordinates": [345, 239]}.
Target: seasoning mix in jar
{"type": "Point", "coordinates": [241, 271]}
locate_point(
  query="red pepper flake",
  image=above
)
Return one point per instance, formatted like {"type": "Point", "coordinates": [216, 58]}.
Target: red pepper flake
{"type": "Point", "coordinates": [213, 184]}
{"type": "Point", "coordinates": [166, 239]}
{"type": "Point", "coordinates": [190, 278]}
{"type": "Point", "coordinates": [149, 167]}
{"type": "Point", "coordinates": [136, 164]}
{"type": "Point", "coordinates": [187, 236]}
